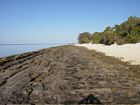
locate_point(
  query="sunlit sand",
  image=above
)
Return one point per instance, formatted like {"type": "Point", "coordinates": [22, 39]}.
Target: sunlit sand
{"type": "Point", "coordinates": [126, 52]}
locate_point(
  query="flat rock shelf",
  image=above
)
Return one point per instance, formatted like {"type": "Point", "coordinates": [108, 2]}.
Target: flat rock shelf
{"type": "Point", "coordinates": [67, 75]}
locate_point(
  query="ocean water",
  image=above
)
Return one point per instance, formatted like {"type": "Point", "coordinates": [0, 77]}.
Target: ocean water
{"type": "Point", "coordinates": [7, 50]}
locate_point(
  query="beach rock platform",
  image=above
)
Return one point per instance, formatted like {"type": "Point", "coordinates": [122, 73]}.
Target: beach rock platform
{"type": "Point", "coordinates": [68, 75]}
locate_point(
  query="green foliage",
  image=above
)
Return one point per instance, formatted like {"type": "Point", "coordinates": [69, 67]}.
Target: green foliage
{"type": "Point", "coordinates": [96, 37]}
{"type": "Point", "coordinates": [108, 36]}
{"type": "Point", "coordinates": [84, 37]}
{"type": "Point", "coordinates": [127, 32]}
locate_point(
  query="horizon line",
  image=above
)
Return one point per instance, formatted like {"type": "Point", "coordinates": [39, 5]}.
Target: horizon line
{"type": "Point", "coordinates": [32, 43]}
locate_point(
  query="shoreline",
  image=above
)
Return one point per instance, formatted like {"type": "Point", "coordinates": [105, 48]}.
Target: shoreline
{"type": "Point", "coordinates": [126, 52]}
{"type": "Point", "coordinates": [14, 49]}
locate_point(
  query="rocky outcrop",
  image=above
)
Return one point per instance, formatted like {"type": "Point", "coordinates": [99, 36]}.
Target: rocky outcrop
{"type": "Point", "coordinates": [67, 75]}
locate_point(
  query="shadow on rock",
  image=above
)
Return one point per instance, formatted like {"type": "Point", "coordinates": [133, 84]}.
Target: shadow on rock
{"type": "Point", "coordinates": [90, 99]}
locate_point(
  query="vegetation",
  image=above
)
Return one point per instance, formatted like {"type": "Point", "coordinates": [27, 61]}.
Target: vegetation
{"type": "Point", "coordinates": [84, 37]}
{"type": "Point", "coordinates": [127, 32]}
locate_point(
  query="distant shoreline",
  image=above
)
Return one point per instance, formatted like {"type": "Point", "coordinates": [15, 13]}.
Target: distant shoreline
{"type": "Point", "coordinates": [33, 44]}
{"type": "Point", "coordinates": [12, 49]}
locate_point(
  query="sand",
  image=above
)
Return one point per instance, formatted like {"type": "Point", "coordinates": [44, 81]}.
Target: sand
{"type": "Point", "coordinates": [126, 52]}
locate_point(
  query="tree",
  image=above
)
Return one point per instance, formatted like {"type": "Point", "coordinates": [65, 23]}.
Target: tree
{"type": "Point", "coordinates": [84, 37]}
{"type": "Point", "coordinates": [129, 31]}
{"type": "Point", "coordinates": [126, 32]}
{"type": "Point", "coordinates": [96, 37]}
{"type": "Point", "coordinates": [108, 36]}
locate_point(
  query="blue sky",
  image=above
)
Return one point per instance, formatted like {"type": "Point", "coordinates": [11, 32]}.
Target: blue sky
{"type": "Point", "coordinates": [60, 21]}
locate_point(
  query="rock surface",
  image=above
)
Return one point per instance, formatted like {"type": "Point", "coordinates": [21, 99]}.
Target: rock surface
{"type": "Point", "coordinates": [65, 75]}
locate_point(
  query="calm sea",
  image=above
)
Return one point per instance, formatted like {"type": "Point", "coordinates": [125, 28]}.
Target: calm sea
{"type": "Point", "coordinates": [9, 49]}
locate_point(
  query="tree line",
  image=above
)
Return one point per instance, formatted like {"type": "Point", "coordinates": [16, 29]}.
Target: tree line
{"type": "Point", "coordinates": [126, 32]}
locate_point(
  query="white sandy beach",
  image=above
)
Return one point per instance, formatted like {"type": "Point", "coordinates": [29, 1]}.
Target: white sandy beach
{"type": "Point", "coordinates": [127, 52]}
